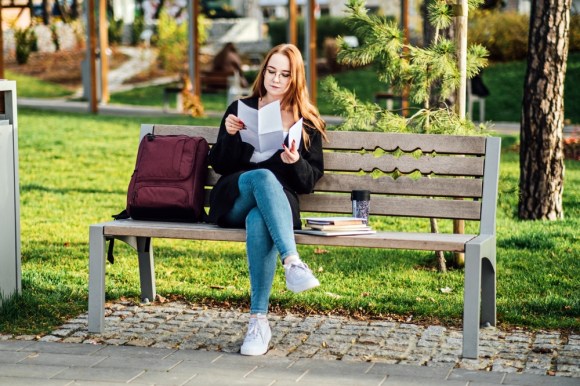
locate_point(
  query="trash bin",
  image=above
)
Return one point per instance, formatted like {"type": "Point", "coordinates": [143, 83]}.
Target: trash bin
{"type": "Point", "coordinates": [10, 272]}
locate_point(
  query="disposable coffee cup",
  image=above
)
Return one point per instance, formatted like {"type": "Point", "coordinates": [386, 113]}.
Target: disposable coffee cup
{"type": "Point", "coordinates": [361, 200]}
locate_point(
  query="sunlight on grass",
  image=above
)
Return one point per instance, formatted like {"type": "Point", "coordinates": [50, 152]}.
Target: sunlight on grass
{"type": "Point", "coordinates": [29, 87]}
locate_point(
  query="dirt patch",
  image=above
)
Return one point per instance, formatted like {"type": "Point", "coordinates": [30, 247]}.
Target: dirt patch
{"type": "Point", "coordinates": [62, 67]}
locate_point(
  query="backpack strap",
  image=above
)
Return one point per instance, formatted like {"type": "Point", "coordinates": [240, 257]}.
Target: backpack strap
{"type": "Point", "coordinates": [110, 256]}
{"type": "Point", "coordinates": [119, 216]}
{"type": "Point", "coordinates": [122, 215]}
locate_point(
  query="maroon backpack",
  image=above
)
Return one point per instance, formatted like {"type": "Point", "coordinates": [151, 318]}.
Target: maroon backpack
{"type": "Point", "coordinates": [169, 179]}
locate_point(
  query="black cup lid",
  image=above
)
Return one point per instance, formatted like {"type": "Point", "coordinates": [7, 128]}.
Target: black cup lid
{"type": "Point", "coordinates": [360, 195]}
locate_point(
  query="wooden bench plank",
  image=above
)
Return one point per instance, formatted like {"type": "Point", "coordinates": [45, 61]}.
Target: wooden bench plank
{"type": "Point", "coordinates": [441, 144]}
{"type": "Point", "coordinates": [338, 140]}
{"type": "Point", "coordinates": [435, 187]}
{"type": "Point", "coordinates": [440, 165]}
{"type": "Point", "coordinates": [395, 206]}
{"type": "Point", "coordinates": [187, 231]}
{"type": "Point", "coordinates": [210, 133]}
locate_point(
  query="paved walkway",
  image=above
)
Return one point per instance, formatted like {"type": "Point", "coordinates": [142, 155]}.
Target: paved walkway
{"type": "Point", "coordinates": [174, 343]}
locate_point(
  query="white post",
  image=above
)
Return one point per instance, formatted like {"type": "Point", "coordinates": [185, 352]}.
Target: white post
{"type": "Point", "coordinates": [193, 12]}
{"type": "Point", "coordinates": [10, 270]}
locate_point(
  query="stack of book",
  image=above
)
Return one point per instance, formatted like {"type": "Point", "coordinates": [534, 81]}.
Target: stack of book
{"type": "Point", "coordinates": [336, 226]}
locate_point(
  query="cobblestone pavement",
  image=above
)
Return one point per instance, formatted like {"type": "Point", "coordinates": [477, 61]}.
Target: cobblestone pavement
{"type": "Point", "coordinates": [177, 325]}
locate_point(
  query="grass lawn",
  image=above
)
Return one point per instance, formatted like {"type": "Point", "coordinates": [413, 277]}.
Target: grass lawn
{"type": "Point", "coordinates": [74, 171]}
{"type": "Point", "coordinates": [30, 87]}
{"type": "Point", "coordinates": [506, 86]}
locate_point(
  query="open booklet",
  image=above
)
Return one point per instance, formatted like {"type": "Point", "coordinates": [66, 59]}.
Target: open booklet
{"type": "Point", "coordinates": [264, 129]}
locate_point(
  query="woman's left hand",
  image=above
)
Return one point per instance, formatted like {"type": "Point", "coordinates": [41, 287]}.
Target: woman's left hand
{"type": "Point", "coordinates": [290, 155]}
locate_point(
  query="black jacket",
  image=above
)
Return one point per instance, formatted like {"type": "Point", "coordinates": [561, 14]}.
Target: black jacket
{"type": "Point", "coordinates": [230, 157]}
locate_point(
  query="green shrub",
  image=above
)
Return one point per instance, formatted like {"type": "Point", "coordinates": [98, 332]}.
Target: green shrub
{"type": "Point", "coordinates": [25, 41]}
{"type": "Point", "coordinates": [137, 28]}
{"type": "Point", "coordinates": [504, 34]}
{"type": "Point", "coordinates": [115, 31]}
{"type": "Point", "coordinates": [54, 37]}
{"type": "Point", "coordinates": [173, 41]}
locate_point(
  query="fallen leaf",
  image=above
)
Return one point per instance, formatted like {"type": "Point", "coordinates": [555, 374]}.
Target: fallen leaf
{"type": "Point", "coordinates": [320, 269]}
{"type": "Point", "coordinates": [320, 251]}
{"type": "Point", "coordinates": [446, 290]}
{"type": "Point", "coordinates": [161, 299]}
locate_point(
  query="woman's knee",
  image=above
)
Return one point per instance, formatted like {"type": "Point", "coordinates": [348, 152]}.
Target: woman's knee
{"type": "Point", "coordinates": [259, 177]}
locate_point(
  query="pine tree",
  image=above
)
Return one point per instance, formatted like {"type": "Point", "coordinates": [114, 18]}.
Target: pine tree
{"type": "Point", "coordinates": [429, 73]}
{"type": "Point", "coordinates": [424, 70]}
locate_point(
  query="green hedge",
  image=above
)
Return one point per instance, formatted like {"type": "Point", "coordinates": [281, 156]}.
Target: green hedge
{"type": "Point", "coordinates": [505, 34]}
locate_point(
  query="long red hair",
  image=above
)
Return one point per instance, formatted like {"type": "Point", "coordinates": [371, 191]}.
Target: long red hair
{"type": "Point", "coordinates": [296, 98]}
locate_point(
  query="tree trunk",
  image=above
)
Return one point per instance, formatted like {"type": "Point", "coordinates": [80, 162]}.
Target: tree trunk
{"type": "Point", "coordinates": [45, 13]}
{"type": "Point", "coordinates": [541, 152]}
{"type": "Point", "coordinates": [441, 263]}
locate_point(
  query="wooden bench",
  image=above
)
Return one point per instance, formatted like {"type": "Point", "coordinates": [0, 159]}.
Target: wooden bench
{"type": "Point", "coordinates": [214, 81]}
{"type": "Point", "coordinates": [176, 90]}
{"type": "Point", "coordinates": [459, 181]}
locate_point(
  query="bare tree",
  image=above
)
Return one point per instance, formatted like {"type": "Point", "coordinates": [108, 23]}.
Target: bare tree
{"type": "Point", "coordinates": [541, 152]}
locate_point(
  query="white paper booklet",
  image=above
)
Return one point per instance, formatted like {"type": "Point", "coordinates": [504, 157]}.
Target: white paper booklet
{"type": "Point", "coordinates": [264, 130]}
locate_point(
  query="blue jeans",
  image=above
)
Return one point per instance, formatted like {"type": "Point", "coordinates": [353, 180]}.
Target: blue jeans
{"type": "Point", "coordinates": [263, 206]}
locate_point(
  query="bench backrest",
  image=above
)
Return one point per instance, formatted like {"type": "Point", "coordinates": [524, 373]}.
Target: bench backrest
{"type": "Point", "coordinates": [453, 177]}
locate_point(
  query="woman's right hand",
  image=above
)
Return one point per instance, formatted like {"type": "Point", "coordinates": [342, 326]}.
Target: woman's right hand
{"type": "Point", "coordinates": [233, 124]}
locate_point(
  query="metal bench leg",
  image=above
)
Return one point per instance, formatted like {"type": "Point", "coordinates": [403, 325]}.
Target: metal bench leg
{"type": "Point", "coordinates": [96, 278]}
{"type": "Point", "coordinates": [471, 301]}
{"type": "Point", "coordinates": [479, 295]}
{"type": "Point", "coordinates": [146, 268]}
{"type": "Point", "coordinates": [488, 289]}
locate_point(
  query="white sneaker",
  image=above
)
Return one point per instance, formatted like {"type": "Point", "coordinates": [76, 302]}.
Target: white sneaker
{"type": "Point", "coordinates": [299, 277]}
{"type": "Point", "coordinates": [258, 337]}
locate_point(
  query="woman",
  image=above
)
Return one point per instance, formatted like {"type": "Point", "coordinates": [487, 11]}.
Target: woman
{"type": "Point", "coordinates": [258, 190]}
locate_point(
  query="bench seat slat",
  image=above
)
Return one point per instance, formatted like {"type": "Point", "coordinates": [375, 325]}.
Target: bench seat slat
{"type": "Point", "coordinates": [396, 240]}
{"type": "Point", "coordinates": [395, 206]}
{"type": "Point", "coordinates": [441, 165]}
